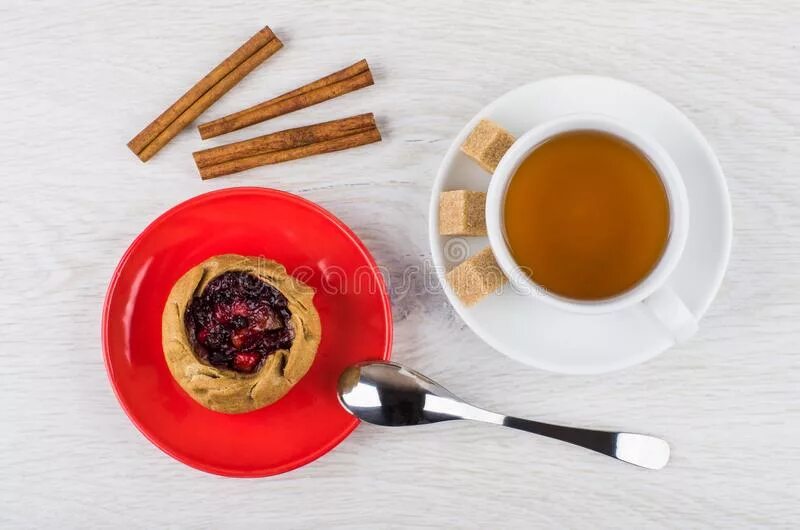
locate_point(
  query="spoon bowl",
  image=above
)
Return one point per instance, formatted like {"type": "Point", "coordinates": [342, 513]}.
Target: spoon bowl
{"type": "Point", "coordinates": [391, 395]}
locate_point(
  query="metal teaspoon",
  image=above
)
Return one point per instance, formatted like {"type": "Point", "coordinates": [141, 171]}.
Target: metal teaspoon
{"type": "Point", "coordinates": [388, 394]}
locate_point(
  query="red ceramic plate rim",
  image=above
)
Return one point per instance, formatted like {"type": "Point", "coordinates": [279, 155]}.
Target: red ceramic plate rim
{"type": "Point", "coordinates": [196, 463]}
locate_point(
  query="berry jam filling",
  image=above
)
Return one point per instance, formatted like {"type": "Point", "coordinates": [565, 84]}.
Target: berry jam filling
{"type": "Point", "coordinates": [238, 321]}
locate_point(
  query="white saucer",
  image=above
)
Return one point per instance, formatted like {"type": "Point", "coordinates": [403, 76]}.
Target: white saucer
{"type": "Point", "coordinates": [545, 337]}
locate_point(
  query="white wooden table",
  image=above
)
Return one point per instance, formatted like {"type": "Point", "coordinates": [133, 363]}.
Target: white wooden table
{"type": "Point", "coordinates": [80, 78]}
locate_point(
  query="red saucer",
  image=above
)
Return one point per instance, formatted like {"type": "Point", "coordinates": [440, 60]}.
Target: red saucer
{"type": "Point", "coordinates": [314, 246]}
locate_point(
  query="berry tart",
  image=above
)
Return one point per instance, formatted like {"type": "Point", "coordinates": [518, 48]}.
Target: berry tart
{"type": "Point", "coordinates": [238, 332]}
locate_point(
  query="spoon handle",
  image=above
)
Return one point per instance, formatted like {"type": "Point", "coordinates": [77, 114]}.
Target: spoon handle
{"type": "Point", "coordinates": [638, 449]}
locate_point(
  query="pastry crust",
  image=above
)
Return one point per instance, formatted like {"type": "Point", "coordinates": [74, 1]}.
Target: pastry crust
{"type": "Point", "coordinates": [226, 390]}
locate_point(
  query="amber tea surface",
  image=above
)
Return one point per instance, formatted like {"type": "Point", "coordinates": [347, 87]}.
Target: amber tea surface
{"type": "Point", "coordinates": [586, 215]}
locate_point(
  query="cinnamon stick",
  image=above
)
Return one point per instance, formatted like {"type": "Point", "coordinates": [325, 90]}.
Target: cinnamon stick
{"type": "Point", "coordinates": [286, 145]}
{"type": "Point", "coordinates": [347, 80]}
{"type": "Point", "coordinates": [287, 139]}
{"type": "Point", "coordinates": [204, 93]}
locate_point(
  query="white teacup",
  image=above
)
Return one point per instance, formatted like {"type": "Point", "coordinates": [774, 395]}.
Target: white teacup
{"type": "Point", "coordinates": [653, 291]}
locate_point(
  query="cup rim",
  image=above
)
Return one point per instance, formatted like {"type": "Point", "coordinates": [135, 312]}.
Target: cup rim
{"type": "Point", "coordinates": [665, 168]}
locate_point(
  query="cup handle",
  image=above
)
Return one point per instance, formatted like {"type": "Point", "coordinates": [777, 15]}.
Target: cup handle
{"type": "Point", "coordinates": [667, 307]}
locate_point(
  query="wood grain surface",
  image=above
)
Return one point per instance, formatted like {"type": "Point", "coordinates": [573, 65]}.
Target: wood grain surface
{"type": "Point", "coordinates": [80, 78]}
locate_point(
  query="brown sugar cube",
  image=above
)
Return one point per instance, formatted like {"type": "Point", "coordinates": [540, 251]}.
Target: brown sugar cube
{"type": "Point", "coordinates": [462, 213]}
{"type": "Point", "coordinates": [476, 278]}
{"type": "Point", "coordinates": [487, 143]}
